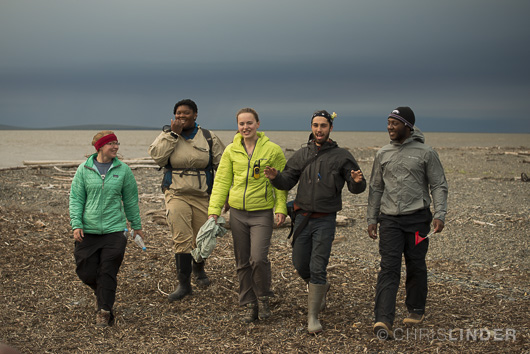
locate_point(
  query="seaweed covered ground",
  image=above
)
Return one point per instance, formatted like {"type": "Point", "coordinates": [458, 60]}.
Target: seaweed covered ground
{"type": "Point", "coordinates": [478, 275]}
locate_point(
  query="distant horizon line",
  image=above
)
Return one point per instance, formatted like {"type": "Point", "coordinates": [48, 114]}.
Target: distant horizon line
{"type": "Point", "coordinates": [100, 127]}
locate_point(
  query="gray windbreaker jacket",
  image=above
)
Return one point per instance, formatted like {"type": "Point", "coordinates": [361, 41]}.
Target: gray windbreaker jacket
{"type": "Point", "coordinates": [207, 238]}
{"type": "Point", "coordinates": [402, 176]}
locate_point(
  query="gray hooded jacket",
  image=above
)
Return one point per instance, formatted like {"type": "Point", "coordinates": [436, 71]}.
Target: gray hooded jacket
{"type": "Point", "coordinates": [402, 176]}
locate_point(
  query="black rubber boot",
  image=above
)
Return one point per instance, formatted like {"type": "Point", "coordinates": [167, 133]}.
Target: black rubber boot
{"type": "Point", "coordinates": [183, 262]}
{"type": "Point", "coordinates": [200, 275]}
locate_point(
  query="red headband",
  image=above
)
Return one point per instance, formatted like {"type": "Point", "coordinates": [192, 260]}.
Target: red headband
{"type": "Point", "coordinates": [104, 140]}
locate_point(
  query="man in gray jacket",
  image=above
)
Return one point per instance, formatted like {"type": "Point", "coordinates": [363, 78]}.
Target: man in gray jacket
{"type": "Point", "coordinates": [403, 174]}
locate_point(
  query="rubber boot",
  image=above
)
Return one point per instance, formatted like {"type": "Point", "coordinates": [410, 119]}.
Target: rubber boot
{"type": "Point", "coordinates": [200, 275]}
{"type": "Point", "coordinates": [314, 302]}
{"type": "Point", "coordinates": [323, 304]}
{"type": "Point", "coordinates": [183, 262]}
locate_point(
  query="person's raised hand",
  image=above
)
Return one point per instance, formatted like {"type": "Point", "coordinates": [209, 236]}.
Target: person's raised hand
{"type": "Point", "coordinates": [270, 172]}
{"type": "Point", "coordinates": [357, 176]}
{"type": "Point", "coordinates": [177, 125]}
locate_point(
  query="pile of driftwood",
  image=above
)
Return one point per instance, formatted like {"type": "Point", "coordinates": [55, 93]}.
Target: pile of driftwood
{"type": "Point", "coordinates": [142, 162]}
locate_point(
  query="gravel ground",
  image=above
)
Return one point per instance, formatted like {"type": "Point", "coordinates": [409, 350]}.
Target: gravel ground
{"type": "Point", "coordinates": [478, 274]}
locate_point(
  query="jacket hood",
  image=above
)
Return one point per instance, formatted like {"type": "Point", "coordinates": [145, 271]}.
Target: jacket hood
{"type": "Point", "coordinates": [262, 139]}
{"type": "Point", "coordinates": [330, 144]}
{"type": "Point", "coordinates": [416, 135]}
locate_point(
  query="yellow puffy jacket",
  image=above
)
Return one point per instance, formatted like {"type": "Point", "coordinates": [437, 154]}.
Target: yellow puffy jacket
{"type": "Point", "coordinates": [248, 190]}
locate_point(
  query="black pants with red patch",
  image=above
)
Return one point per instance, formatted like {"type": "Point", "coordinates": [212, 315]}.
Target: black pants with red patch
{"type": "Point", "coordinates": [98, 259]}
{"type": "Point", "coordinates": [397, 237]}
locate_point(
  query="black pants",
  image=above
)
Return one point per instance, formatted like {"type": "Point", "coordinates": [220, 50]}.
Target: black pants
{"type": "Point", "coordinates": [397, 237]}
{"type": "Point", "coordinates": [98, 259]}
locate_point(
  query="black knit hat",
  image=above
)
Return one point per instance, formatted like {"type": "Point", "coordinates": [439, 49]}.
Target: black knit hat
{"type": "Point", "coordinates": [405, 115]}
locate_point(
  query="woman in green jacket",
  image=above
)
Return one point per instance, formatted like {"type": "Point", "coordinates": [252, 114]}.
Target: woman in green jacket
{"type": "Point", "coordinates": [103, 196]}
{"type": "Point", "coordinates": [252, 201]}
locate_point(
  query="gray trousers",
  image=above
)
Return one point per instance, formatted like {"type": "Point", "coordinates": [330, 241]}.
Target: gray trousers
{"type": "Point", "coordinates": [252, 232]}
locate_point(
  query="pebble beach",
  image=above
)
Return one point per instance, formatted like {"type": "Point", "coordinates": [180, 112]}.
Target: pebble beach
{"type": "Point", "coordinates": [478, 266]}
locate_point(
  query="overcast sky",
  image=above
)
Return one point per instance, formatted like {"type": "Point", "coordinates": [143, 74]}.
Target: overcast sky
{"type": "Point", "coordinates": [462, 65]}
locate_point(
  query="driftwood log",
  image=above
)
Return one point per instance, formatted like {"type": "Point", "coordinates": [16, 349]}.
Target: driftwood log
{"type": "Point", "coordinates": [142, 162]}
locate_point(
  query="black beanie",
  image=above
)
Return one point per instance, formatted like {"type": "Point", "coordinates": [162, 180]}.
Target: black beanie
{"type": "Point", "coordinates": [405, 115]}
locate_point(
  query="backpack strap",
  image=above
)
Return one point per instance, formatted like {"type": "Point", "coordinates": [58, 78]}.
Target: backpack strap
{"type": "Point", "coordinates": [208, 137]}
{"type": "Point", "coordinates": [313, 158]}
{"type": "Point", "coordinates": [168, 169]}
{"type": "Point", "coordinates": [209, 169]}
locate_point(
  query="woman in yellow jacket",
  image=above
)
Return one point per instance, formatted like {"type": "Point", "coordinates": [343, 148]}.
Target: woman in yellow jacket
{"type": "Point", "coordinates": [253, 201]}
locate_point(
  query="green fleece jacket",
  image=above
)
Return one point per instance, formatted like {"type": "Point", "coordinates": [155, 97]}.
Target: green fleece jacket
{"type": "Point", "coordinates": [101, 206]}
{"type": "Point", "coordinates": [248, 191]}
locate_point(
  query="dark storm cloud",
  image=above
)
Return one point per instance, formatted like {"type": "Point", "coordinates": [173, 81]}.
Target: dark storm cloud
{"type": "Point", "coordinates": [463, 63]}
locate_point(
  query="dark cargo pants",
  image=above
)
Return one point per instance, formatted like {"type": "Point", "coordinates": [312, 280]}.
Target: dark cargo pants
{"type": "Point", "coordinates": [397, 237]}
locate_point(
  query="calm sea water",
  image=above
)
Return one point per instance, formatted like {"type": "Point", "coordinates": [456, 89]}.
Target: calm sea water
{"type": "Point", "coordinates": [17, 146]}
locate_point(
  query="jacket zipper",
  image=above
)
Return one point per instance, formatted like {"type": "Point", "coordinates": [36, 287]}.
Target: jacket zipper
{"type": "Point", "coordinates": [246, 186]}
{"type": "Point", "coordinates": [101, 198]}
{"type": "Point", "coordinates": [248, 173]}
{"type": "Point", "coordinates": [312, 181]}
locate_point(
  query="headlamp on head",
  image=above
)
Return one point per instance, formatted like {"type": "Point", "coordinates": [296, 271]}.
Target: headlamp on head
{"type": "Point", "coordinates": [325, 114]}
{"type": "Point", "coordinates": [321, 114]}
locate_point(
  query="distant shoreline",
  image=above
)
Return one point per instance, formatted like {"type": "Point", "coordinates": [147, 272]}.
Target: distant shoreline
{"type": "Point", "coordinates": [18, 146]}
{"type": "Point", "coordinates": [82, 127]}
{"type": "Point", "coordinates": [99, 127]}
